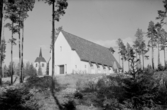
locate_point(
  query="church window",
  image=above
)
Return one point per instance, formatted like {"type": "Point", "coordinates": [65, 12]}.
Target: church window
{"type": "Point", "coordinates": [42, 65]}
{"type": "Point", "coordinates": [36, 65]}
{"type": "Point", "coordinates": [75, 66]}
{"type": "Point", "coordinates": [85, 66]}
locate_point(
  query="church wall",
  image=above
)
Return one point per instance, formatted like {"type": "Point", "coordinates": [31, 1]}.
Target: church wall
{"type": "Point", "coordinates": [62, 55]}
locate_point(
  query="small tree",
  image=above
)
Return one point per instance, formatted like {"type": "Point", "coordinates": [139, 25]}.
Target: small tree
{"type": "Point", "coordinates": [128, 47]}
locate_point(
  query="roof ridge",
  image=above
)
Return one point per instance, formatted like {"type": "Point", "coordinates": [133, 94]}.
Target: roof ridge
{"type": "Point", "coordinates": [85, 39]}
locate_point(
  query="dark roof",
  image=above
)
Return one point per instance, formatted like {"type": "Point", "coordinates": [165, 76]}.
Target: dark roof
{"type": "Point", "coordinates": [40, 58]}
{"type": "Point", "coordinates": [89, 51]}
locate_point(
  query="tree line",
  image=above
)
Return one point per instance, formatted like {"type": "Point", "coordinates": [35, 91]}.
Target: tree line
{"type": "Point", "coordinates": [157, 36]}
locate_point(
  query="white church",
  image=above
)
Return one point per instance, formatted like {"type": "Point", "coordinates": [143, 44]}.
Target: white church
{"type": "Point", "coordinates": [40, 62]}
{"type": "Point", "coordinates": [75, 55]}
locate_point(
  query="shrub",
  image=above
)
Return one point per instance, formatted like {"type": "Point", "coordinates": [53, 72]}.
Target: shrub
{"type": "Point", "coordinates": [42, 83]}
{"type": "Point", "coordinates": [78, 95]}
{"type": "Point", "coordinates": [80, 85]}
{"type": "Point", "coordinates": [160, 67]}
{"type": "Point", "coordinates": [90, 87]}
{"type": "Point", "coordinates": [15, 99]}
{"type": "Point", "coordinates": [70, 105]}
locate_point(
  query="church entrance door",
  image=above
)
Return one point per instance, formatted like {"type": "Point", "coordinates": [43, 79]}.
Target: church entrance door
{"type": "Point", "coordinates": [61, 69]}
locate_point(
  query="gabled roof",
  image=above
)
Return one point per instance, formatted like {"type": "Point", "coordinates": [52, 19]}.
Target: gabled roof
{"type": "Point", "coordinates": [89, 51]}
{"type": "Point", "coordinates": [40, 58]}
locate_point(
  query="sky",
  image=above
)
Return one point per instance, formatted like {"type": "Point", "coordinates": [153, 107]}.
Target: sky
{"type": "Point", "coordinates": [100, 21]}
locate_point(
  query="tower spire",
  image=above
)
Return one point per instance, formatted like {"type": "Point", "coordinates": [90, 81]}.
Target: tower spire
{"type": "Point", "coordinates": [40, 54]}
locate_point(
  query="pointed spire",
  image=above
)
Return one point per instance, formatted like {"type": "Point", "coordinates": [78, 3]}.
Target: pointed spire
{"type": "Point", "coordinates": [40, 54]}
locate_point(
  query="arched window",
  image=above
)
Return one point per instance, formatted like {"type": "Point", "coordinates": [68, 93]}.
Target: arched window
{"type": "Point", "coordinates": [36, 65]}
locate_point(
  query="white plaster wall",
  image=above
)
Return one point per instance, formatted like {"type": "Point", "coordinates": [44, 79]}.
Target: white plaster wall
{"type": "Point", "coordinates": [62, 54]}
{"type": "Point", "coordinates": [43, 68]}
{"type": "Point", "coordinates": [82, 67]}
{"type": "Point", "coordinates": [40, 65]}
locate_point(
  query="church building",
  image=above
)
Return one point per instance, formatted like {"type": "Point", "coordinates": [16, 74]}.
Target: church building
{"type": "Point", "coordinates": [75, 55]}
{"type": "Point", "coordinates": [40, 64]}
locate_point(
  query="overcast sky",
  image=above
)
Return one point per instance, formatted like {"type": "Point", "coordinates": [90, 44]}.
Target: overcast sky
{"type": "Point", "coordinates": [100, 21]}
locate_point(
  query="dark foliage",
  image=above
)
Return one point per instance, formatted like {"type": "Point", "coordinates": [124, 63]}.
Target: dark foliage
{"type": "Point", "coordinates": [160, 67]}
{"type": "Point", "coordinates": [70, 105]}
{"type": "Point", "coordinates": [15, 99]}
{"type": "Point", "coordinates": [140, 92]}
{"type": "Point", "coordinates": [78, 95]}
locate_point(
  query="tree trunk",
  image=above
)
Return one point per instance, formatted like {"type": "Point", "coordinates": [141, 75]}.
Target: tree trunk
{"type": "Point", "coordinates": [119, 58]}
{"type": "Point", "coordinates": [143, 59]}
{"type": "Point", "coordinates": [1, 20]}
{"type": "Point", "coordinates": [53, 36]}
{"type": "Point", "coordinates": [129, 65]}
{"type": "Point", "coordinates": [122, 64]}
{"type": "Point", "coordinates": [164, 58]}
{"type": "Point", "coordinates": [21, 77]}
{"type": "Point", "coordinates": [12, 57]}
{"type": "Point", "coordinates": [140, 61]}
{"type": "Point", "coordinates": [53, 66]}
{"type": "Point", "coordinates": [19, 55]}
{"type": "Point", "coordinates": [158, 55]}
{"type": "Point", "coordinates": [152, 57]}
